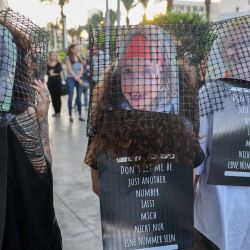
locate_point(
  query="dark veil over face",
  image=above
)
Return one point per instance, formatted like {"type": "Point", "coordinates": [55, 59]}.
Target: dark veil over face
{"type": "Point", "coordinates": [25, 175]}
{"type": "Point", "coordinates": [136, 105]}
{"type": "Point", "coordinates": [23, 54]}
{"type": "Point", "coordinates": [145, 74]}
{"type": "Point", "coordinates": [23, 58]}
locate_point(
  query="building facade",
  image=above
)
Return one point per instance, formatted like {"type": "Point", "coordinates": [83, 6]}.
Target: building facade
{"type": "Point", "coordinates": [220, 9]}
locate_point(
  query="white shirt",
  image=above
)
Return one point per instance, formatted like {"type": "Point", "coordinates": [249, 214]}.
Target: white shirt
{"type": "Point", "coordinates": [221, 213]}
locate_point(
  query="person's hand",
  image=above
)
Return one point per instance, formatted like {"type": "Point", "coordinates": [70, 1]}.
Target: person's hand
{"type": "Point", "coordinates": [51, 72]}
{"type": "Point", "coordinates": [43, 99]}
{"type": "Point", "coordinates": [79, 80]}
{"type": "Point", "coordinates": [76, 78]}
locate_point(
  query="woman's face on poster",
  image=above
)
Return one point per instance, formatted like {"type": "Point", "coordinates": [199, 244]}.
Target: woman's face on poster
{"type": "Point", "coordinates": [141, 82]}
{"type": "Point", "coordinates": [238, 54]}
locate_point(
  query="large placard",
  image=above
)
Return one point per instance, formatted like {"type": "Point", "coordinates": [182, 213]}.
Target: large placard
{"type": "Point", "coordinates": [230, 160]}
{"type": "Point", "coordinates": [150, 209]}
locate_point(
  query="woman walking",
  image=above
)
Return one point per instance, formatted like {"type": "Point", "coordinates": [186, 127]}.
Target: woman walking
{"type": "Point", "coordinates": [75, 72]}
{"type": "Point", "coordinates": [54, 69]}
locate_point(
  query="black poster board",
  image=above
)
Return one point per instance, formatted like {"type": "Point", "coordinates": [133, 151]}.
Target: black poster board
{"type": "Point", "coordinates": [145, 210]}
{"type": "Point", "coordinates": [230, 160]}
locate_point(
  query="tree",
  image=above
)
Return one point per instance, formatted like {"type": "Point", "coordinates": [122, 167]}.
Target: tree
{"type": "Point", "coordinates": [208, 5]}
{"type": "Point", "coordinates": [72, 33]}
{"type": "Point", "coordinates": [55, 28]}
{"type": "Point", "coordinates": [145, 4]}
{"type": "Point", "coordinates": [61, 3]}
{"type": "Point", "coordinates": [170, 4]}
{"type": "Point", "coordinates": [79, 30]}
{"type": "Point", "coordinates": [112, 15]}
{"type": "Point", "coordinates": [190, 31]}
{"type": "Point", "coordinates": [96, 19]}
{"type": "Point", "coordinates": [128, 4]}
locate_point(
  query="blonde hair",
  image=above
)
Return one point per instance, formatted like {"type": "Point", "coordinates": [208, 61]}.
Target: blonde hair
{"type": "Point", "coordinates": [51, 52]}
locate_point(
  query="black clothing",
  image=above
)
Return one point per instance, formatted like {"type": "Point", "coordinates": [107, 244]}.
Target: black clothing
{"type": "Point", "coordinates": [203, 243]}
{"type": "Point", "coordinates": [30, 222]}
{"type": "Point", "coordinates": [54, 86]}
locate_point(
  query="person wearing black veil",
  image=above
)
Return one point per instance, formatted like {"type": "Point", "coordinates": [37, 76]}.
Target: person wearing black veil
{"type": "Point", "coordinates": [221, 208]}
{"type": "Point", "coordinates": [27, 217]}
{"type": "Point", "coordinates": [137, 107]}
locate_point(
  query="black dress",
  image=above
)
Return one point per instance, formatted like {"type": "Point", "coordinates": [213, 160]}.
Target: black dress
{"type": "Point", "coordinates": [54, 86]}
{"type": "Point", "coordinates": [30, 222]}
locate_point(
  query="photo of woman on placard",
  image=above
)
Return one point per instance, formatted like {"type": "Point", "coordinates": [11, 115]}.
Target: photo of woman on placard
{"type": "Point", "coordinates": [137, 106]}
{"type": "Point", "coordinates": [138, 122]}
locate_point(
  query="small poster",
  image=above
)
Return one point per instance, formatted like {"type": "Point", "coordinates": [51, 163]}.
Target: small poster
{"type": "Point", "coordinates": [230, 161]}
{"type": "Point", "coordinates": [145, 209]}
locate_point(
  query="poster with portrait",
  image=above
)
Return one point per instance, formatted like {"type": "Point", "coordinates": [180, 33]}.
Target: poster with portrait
{"type": "Point", "coordinates": [144, 209]}
{"type": "Point", "coordinates": [143, 111]}
{"type": "Point", "coordinates": [230, 161]}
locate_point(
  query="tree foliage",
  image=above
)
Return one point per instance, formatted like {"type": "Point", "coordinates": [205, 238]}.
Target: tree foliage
{"type": "Point", "coordinates": [61, 3]}
{"type": "Point", "coordinates": [190, 30]}
{"type": "Point", "coordinates": [144, 4]}
{"type": "Point", "coordinates": [96, 19]}
{"type": "Point", "coordinates": [128, 4]}
{"type": "Point", "coordinates": [112, 15]}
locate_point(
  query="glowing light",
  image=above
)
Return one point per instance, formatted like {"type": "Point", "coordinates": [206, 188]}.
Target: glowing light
{"type": "Point", "coordinates": [155, 9]}
{"type": "Point", "coordinates": [136, 14]}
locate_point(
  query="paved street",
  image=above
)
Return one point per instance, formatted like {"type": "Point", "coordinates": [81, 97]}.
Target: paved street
{"type": "Point", "coordinates": [77, 207]}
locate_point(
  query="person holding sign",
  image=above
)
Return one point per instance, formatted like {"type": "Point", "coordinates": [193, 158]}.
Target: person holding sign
{"type": "Point", "coordinates": [142, 145]}
{"type": "Point", "coordinates": [222, 197]}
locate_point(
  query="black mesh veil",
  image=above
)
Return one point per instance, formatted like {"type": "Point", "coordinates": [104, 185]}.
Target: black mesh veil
{"type": "Point", "coordinates": [23, 54]}
{"type": "Point", "coordinates": [150, 53]}
{"type": "Point", "coordinates": [145, 80]}
{"type": "Point", "coordinates": [227, 65]}
{"type": "Point", "coordinates": [23, 51]}
{"type": "Point", "coordinates": [189, 55]}
{"type": "Point", "coordinates": [148, 78]}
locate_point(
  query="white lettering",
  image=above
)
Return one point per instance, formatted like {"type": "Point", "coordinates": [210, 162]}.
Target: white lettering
{"type": "Point", "coordinates": [232, 165]}
{"type": "Point", "coordinates": [151, 192]}
{"type": "Point", "coordinates": [129, 243]}
{"type": "Point", "coordinates": [153, 240]}
{"type": "Point", "coordinates": [154, 180]}
{"type": "Point", "coordinates": [127, 170]}
{"type": "Point", "coordinates": [147, 203]}
{"type": "Point", "coordinates": [148, 216]}
{"type": "Point", "coordinates": [158, 227]}
{"type": "Point", "coordinates": [244, 165]}
{"type": "Point", "coordinates": [143, 228]}
{"type": "Point", "coordinates": [168, 238]}
{"type": "Point", "coordinates": [244, 154]}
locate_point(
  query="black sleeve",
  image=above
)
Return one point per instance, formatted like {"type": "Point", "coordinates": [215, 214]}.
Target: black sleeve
{"type": "Point", "coordinates": [58, 68]}
{"type": "Point", "coordinates": [48, 69]}
{"type": "Point", "coordinates": [199, 158]}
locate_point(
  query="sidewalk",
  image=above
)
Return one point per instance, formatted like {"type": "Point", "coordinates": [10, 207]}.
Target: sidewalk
{"type": "Point", "coordinates": [77, 207]}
